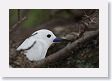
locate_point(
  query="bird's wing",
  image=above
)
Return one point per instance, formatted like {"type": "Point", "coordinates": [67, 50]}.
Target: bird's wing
{"type": "Point", "coordinates": [28, 43]}
{"type": "Point", "coordinates": [37, 52]}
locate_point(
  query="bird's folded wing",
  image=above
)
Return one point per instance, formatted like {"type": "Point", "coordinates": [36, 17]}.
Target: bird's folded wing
{"type": "Point", "coordinates": [27, 44]}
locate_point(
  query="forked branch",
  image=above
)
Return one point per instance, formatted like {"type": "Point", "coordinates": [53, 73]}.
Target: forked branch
{"type": "Point", "coordinates": [65, 52]}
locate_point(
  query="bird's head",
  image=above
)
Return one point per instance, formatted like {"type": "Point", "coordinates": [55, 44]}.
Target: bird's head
{"type": "Point", "coordinates": [47, 36]}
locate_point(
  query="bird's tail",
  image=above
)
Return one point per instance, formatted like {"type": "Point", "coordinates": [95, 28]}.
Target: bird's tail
{"type": "Point", "coordinates": [18, 49]}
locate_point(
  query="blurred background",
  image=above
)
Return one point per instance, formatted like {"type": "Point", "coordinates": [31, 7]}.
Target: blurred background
{"type": "Point", "coordinates": [23, 22]}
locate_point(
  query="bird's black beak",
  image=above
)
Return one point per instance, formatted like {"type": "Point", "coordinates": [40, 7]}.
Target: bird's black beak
{"type": "Point", "coordinates": [59, 40]}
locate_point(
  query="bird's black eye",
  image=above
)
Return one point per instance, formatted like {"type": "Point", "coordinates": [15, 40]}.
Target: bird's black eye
{"type": "Point", "coordinates": [48, 35]}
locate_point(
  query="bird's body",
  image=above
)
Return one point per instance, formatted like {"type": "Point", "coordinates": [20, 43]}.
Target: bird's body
{"type": "Point", "coordinates": [35, 47]}
{"type": "Point", "coordinates": [38, 51]}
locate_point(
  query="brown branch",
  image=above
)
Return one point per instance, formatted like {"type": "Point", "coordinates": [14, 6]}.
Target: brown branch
{"type": "Point", "coordinates": [17, 24]}
{"type": "Point", "coordinates": [65, 52]}
{"type": "Point", "coordinates": [19, 14]}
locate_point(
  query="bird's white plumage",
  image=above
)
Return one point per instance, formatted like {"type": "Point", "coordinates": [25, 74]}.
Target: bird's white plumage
{"type": "Point", "coordinates": [26, 44]}
{"type": "Point", "coordinates": [35, 47]}
{"type": "Point", "coordinates": [38, 51]}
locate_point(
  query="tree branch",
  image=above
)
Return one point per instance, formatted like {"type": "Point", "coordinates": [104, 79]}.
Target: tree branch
{"type": "Point", "coordinates": [19, 14]}
{"type": "Point", "coordinates": [65, 52]}
{"type": "Point", "coordinates": [17, 24]}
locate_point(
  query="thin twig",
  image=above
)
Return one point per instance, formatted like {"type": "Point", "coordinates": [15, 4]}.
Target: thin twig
{"type": "Point", "coordinates": [19, 14]}
{"type": "Point", "coordinates": [17, 24]}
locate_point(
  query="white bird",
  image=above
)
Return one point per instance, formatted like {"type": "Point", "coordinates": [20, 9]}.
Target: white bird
{"type": "Point", "coordinates": [35, 47]}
